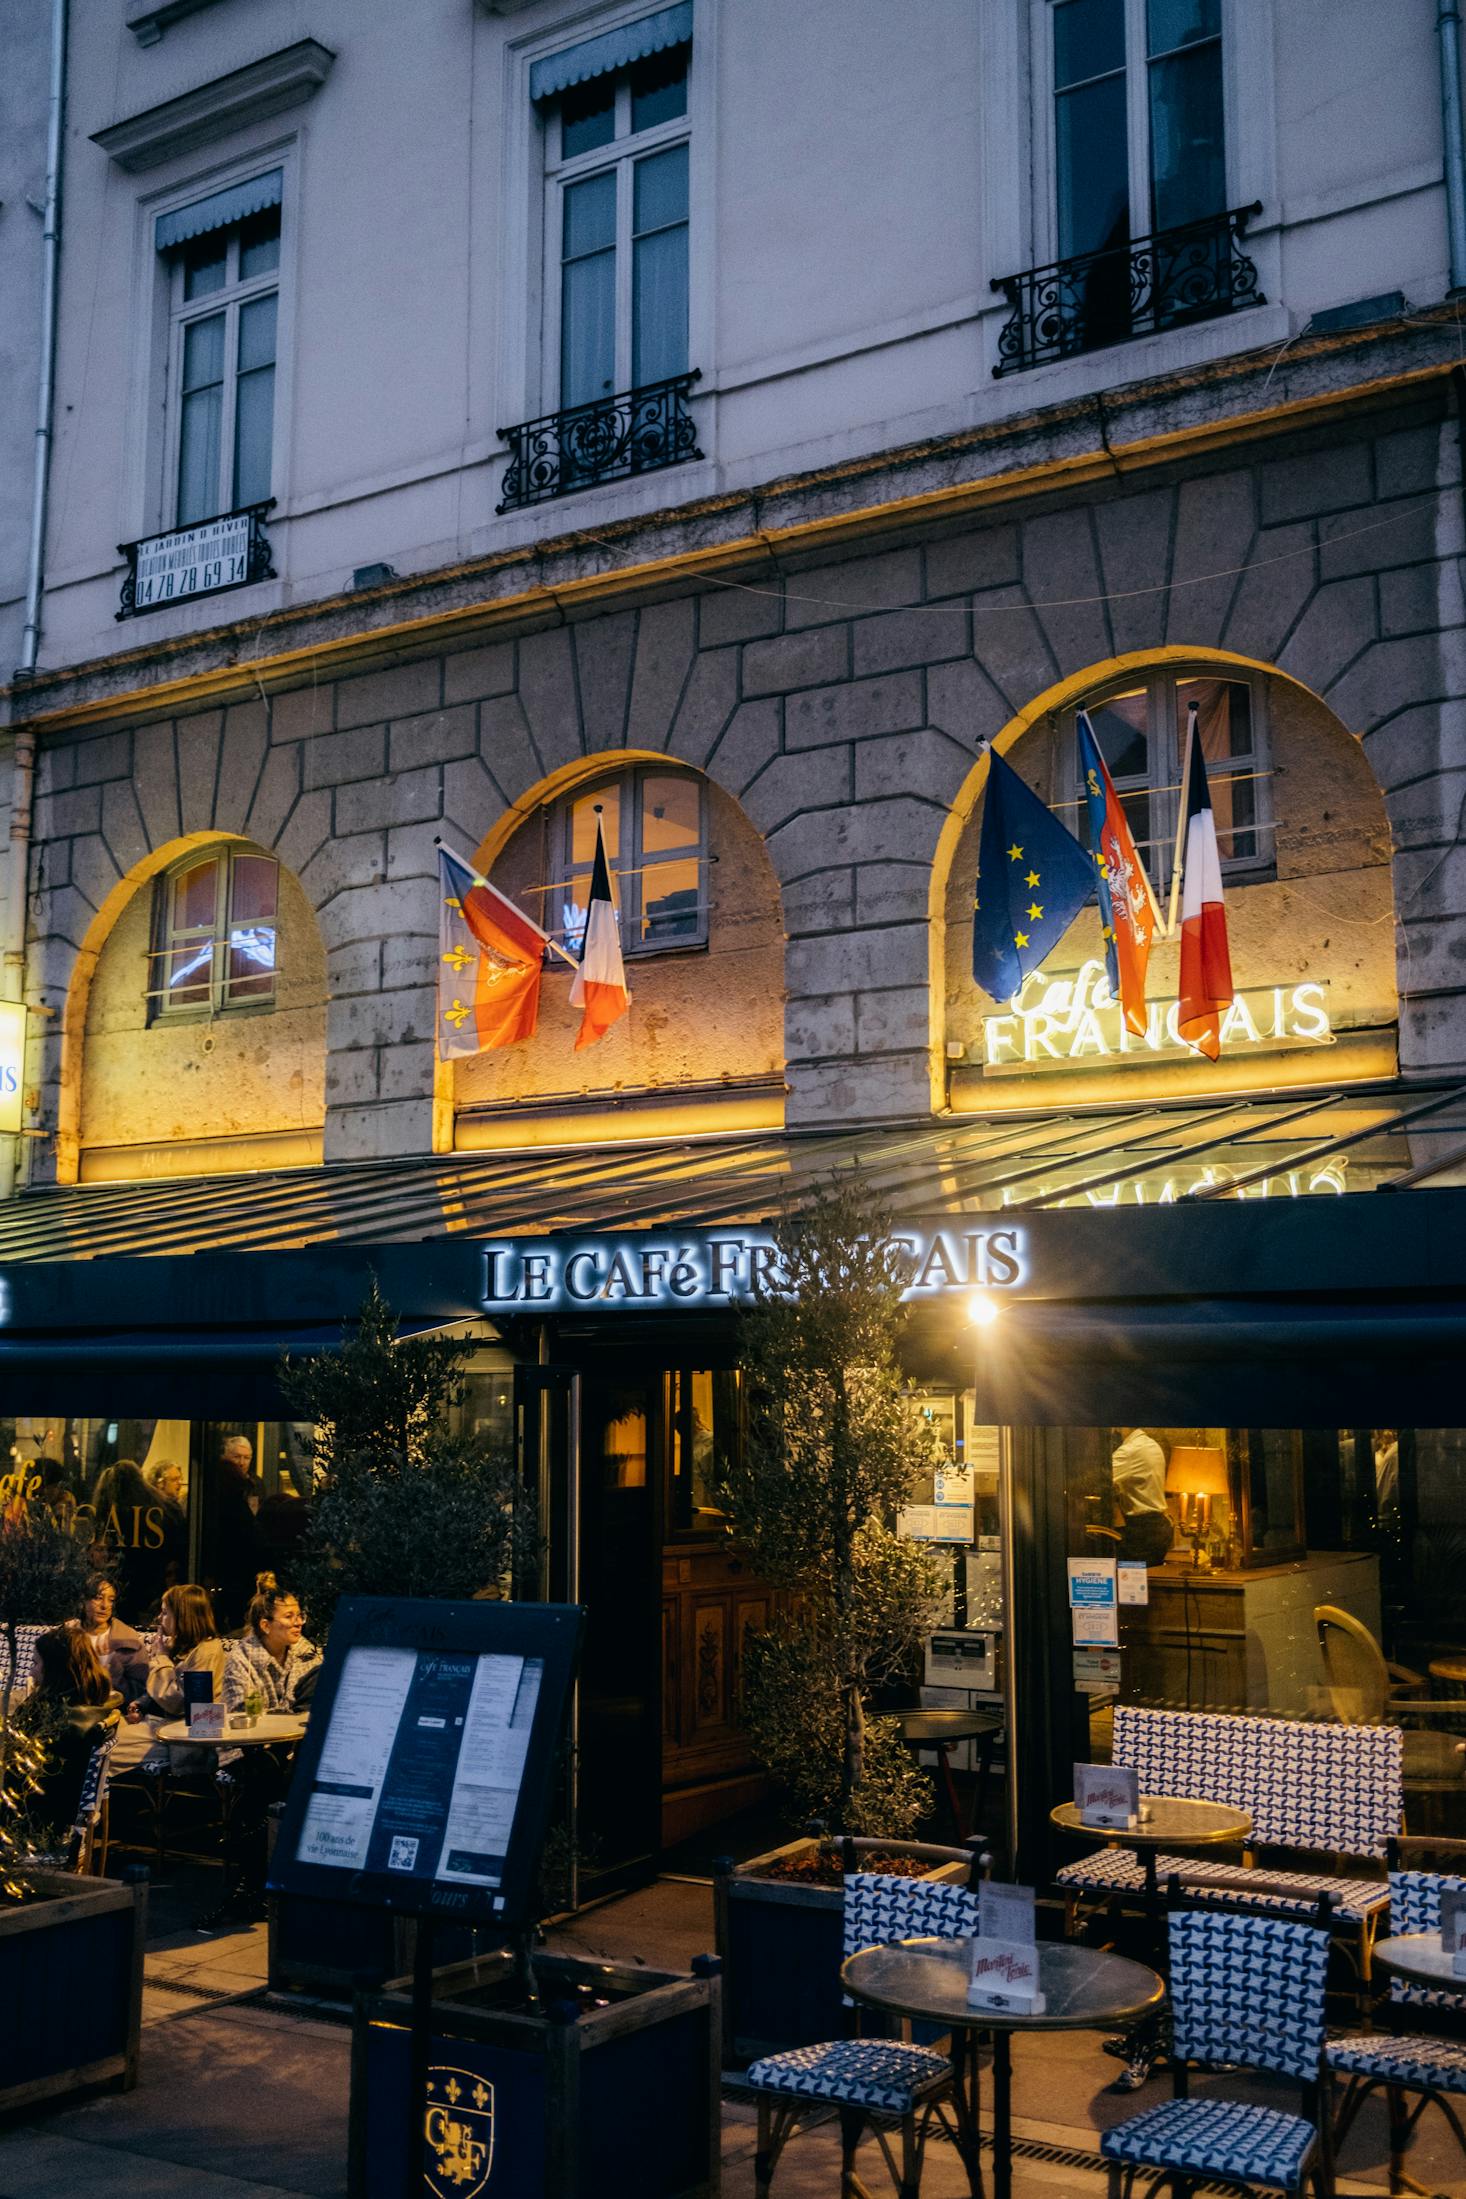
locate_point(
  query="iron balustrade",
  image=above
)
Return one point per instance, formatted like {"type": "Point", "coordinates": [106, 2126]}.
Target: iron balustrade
{"type": "Point", "coordinates": [610, 439]}
{"type": "Point", "coordinates": [207, 559]}
{"type": "Point", "coordinates": [1194, 273]}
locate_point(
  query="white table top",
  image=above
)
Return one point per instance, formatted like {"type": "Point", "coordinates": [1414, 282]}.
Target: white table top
{"type": "Point", "coordinates": [1420, 1957]}
{"type": "Point", "coordinates": [272, 1726]}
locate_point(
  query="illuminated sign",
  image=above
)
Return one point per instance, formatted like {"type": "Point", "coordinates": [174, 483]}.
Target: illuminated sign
{"type": "Point", "coordinates": [1063, 1021]}
{"type": "Point", "coordinates": [12, 1064]}
{"type": "Point", "coordinates": [699, 1269]}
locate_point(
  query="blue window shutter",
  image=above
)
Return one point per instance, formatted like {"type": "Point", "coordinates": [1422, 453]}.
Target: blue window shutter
{"type": "Point", "coordinates": [221, 211]}
{"type": "Point", "coordinates": [611, 51]}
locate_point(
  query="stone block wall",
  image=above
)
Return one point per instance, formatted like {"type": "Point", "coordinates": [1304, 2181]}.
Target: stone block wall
{"type": "Point", "coordinates": [842, 705]}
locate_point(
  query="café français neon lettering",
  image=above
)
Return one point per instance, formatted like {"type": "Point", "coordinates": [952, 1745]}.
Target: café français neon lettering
{"type": "Point", "coordinates": [723, 1270]}
{"type": "Point", "coordinates": [1077, 1019]}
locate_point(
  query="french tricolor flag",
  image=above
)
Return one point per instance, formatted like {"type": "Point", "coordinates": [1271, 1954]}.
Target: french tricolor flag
{"type": "Point", "coordinates": [598, 988]}
{"type": "Point", "coordinates": [1206, 964]}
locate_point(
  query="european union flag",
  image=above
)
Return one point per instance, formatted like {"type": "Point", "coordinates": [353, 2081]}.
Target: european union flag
{"type": "Point", "coordinates": [1033, 878]}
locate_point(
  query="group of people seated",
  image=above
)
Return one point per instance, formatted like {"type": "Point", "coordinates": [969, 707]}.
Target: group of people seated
{"type": "Point", "coordinates": [95, 1675]}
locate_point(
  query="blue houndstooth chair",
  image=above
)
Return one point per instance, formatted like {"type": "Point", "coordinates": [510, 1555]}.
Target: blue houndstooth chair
{"type": "Point", "coordinates": [1399, 2062]}
{"type": "Point", "coordinates": [1246, 1992]}
{"type": "Point", "coordinates": [875, 2083]}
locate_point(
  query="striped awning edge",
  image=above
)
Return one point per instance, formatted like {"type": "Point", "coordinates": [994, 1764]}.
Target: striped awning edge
{"type": "Point", "coordinates": [220, 210]}
{"type": "Point", "coordinates": [613, 50]}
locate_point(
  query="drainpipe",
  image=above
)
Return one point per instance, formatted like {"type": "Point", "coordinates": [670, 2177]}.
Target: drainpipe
{"type": "Point", "coordinates": [1448, 24]}
{"type": "Point", "coordinates": [17, 899]}
{"type": "Point", "coordinates": [46, 394]}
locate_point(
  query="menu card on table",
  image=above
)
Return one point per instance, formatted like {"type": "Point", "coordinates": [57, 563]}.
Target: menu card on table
{"type": "Point", "coordinates": [1003, 1959]}
{"type": "Point", "coordinates": [208, 1719]}
{"type": "Point", "coordinates": [1453, 1929]}
{"type": "Point", "coordinates": [1108, 1796]}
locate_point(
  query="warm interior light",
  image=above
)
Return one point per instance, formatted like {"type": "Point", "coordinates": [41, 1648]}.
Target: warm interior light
{"type": "Point", "coordinates": [982, 1309]}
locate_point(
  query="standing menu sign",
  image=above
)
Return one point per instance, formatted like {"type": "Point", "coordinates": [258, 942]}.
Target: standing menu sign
{"type": "Point", "coordinates": [423, 1783]}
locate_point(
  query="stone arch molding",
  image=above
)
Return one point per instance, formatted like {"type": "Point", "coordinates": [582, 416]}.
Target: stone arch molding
{"type": "Point", "coordinates": [83, 957]}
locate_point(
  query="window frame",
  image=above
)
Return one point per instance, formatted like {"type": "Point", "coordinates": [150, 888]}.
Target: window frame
{"type": "Point", "coordinates": [167, 937]}
{"type": "Point", "coordinates": [619, 155]}
{"type": "Point", "coordinates": [1138, 64]}
{"type": "Point", "coordinates": [630, 864]}
{"type": "Point", "coordinates": [1160, 684]}
{"type": "Point", "coordinates": [183, 313]}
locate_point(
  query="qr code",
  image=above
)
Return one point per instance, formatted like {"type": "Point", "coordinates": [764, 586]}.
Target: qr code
{"type": "Point", "coordinates": [402, 1854]}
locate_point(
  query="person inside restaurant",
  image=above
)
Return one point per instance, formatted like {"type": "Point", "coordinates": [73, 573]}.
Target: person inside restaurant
{"type": "Point", "coordinates": [118, 1646]}
{"type": "Point", "coordinates": [272, 1669]}
{"type": "Point", "coordinates": [188, 1641]}
{"type": "Point", "coordinates": [72, 1706]}
{"type": "Point", "coordinates": [1138, 1472]}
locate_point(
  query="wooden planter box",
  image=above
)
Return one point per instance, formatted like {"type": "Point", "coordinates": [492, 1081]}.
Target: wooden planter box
{"type": "Point", "coordinates": [574, 2102]}
{"type": "Point", "coordinates": [781, 1944]}
{"type": "Point", "coordinates": [71, 1988]}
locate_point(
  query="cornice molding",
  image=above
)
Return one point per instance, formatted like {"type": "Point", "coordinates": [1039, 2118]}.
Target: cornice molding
{"type": "Point", "coordinates": [251, 94]}
{"type": "Point", "coordinates": [149, 21]}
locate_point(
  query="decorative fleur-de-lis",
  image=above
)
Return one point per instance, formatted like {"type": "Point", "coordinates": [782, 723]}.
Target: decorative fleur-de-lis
{"type": "Point", "coordinates": [480, 2094]}
{"type": "Point", "coordinates": [450, 903]}
{"type": "Point", "coordinates": [457, 1015]}
{"type": "Point", "coordinates": [458, 958]}
{"type": "Point", "coordinates": [454, 2090]}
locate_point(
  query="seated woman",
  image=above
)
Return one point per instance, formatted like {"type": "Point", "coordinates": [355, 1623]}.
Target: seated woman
{"type": "Point", "coordinates": [274, 1662]}
{"type": "Point", "coordinates": [188, 1641]}
{"type": "Point", "coordinates": [119, 1647]}
{"type": "Point", "coordinates": [72, 1707]}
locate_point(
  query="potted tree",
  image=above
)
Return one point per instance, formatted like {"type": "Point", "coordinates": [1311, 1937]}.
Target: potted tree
{"type": "Point", "coordinates": [401, 1506]}
{"type": "Point", "coordinates": [71, 1949]}
{"type": "Point", "coordinates": [831, 1451]}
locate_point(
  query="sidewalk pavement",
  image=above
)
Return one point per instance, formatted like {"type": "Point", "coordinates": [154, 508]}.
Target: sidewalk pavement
{"type": "Point", "coordinates": [245, 2098]}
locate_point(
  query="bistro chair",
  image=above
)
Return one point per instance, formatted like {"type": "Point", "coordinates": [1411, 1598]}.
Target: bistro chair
{"type": "Point", "coordinates": [1365, 1689]}
{"type": "Point", "coordinates": [1399, 2062]}
{"type": "Point", "coordinates": [883, 2084]}
{"type": "Point", "coordinates": [1246, 1992]}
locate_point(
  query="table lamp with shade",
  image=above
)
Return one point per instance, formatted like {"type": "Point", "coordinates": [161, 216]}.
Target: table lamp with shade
{"type": "Point", "coordinates": [1197, 1472]}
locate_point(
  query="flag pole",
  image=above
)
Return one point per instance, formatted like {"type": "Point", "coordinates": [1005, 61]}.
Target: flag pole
{"type": "Point", "coordinates": [1181, 815]}
{"type": "Point", "coordinates": [479, 880]}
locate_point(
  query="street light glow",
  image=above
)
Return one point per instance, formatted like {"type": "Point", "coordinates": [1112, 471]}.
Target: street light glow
{"type": "Point", "coordinates": [982, 1309]}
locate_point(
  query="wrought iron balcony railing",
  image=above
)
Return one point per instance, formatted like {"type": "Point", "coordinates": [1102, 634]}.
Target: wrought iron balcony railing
{"type": "Point", "coordinates": [611, 439]}
{"type": "Point", "coordinates": [1178, 276]}
{"type": "Point", "coordinates": [231, 550]}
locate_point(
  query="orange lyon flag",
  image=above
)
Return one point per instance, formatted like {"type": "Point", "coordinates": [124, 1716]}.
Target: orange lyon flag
{"type": "Point", "coordinates": [1206, 964]}
{"type": "Point", "coordinates": [1127, 906]}
{"type": "Point", "coordinates": [490, 955]}
{"type": "Point", "coordinates": [598, 988]}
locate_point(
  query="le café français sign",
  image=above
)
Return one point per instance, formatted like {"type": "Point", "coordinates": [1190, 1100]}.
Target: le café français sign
{"type": "Point", "coordinates": [703, 1270]}
{"type": "Point", "coordinates": [1075, 1022]}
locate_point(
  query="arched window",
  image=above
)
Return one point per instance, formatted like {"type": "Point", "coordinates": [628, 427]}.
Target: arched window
{"type": "Point", "coordinates": [655, 825]}
{"type": "Point", "coordinates": [1141, 728]}
{"type": "Point", "coordinates": [215, 935]}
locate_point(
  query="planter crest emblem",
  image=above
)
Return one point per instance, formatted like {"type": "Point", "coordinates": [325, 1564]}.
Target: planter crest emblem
{"type": "Point", "coordinates": [458, 2133]}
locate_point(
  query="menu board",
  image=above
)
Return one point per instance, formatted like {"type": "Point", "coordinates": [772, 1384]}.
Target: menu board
{"type": "Point", "coordinates": [424, 1779]}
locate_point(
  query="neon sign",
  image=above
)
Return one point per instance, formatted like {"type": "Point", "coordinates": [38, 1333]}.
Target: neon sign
{"type": "Point", "coordinates": [698, 1270]}
{"type": "Point", "coordinates": [1063, 1021]}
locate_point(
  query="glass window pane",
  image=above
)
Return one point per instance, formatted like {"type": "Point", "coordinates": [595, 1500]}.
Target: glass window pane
{"type": "Point", "coordinates": [189, 972]}
{"type": "Point", "coordinates": [659, 306]}
{"type": "Point", "coordinates": [1089, 40]}
{"type": "Point", "coordinates": [659, 89]}
{"type": "Point", "coordinates": [669, 900]}
{"type": "Point", "coordinates": [583, 824]}
{"type": "Point", "coordinates": [252, 889]}
{"type": "Point", "coordinates": [257, 332]}
{"type": "Point", "coordinates": [669, 813]}
{"type": "Point", "coordinates": [1093, 177]}
{"type": "Point", "coordinates": [203, 352]}
{"type": "Point", "coordinates": [1119, 727]}
{"type": "Point", "coordinates": [660, 196]}
{"type": "Point", "coordinates": [259, 244]}
{"type": "Point", "coordinates": [254, 425]}
{"type": "Point", "coordinates": [588, 330]}
{"type": "Point", "coordinates": [587, 117]}
{"type": "Point", "coordinates": [200, 428]}
{"type": "Point", "coordinates": [1223, 716]}
{"type": "Point", "coordinates": [590, 216]}
{"type": "Point", "coordinates": [1187, 148]}
{"type": "Point", "coordinates": [572, 913]}
{"type": "Point", "coordinates": [195, 898]}
{"type": "Point", "coordinates": [250, 966]}
{"type": "Point", "coordinates": [205, 264]}
{"type": "Point", "coordinates": [1172, 23]}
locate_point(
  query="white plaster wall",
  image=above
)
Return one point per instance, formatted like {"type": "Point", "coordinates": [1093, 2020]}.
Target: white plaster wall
{"type": "Point", "coordinates": [861, 174]}
{"type": "Point", "coordinates": [23, 80]}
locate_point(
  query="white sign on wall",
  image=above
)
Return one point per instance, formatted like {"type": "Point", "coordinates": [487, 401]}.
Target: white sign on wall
{"type": "Point", "coordinates": [12, 1065]}
{"type": "Point", "coordinates": [192, 561]}
{"type": "Point", "coordinates": [1065, 1022]}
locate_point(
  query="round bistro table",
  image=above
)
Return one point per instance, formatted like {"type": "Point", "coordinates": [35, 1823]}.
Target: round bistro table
{"type": "Point", "coordinates": [276, 1726]}
{"type": "Point", "coordinates": [1420, 1958]}
{"type": "Point", "coordinates": [926, 1980]}
{"type": "Point", "coordinates": [1174, 1822]}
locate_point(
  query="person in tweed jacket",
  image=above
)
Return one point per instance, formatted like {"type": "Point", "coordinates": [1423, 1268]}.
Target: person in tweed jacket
{"type": "Point", "coordinates": [272, 1658]}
